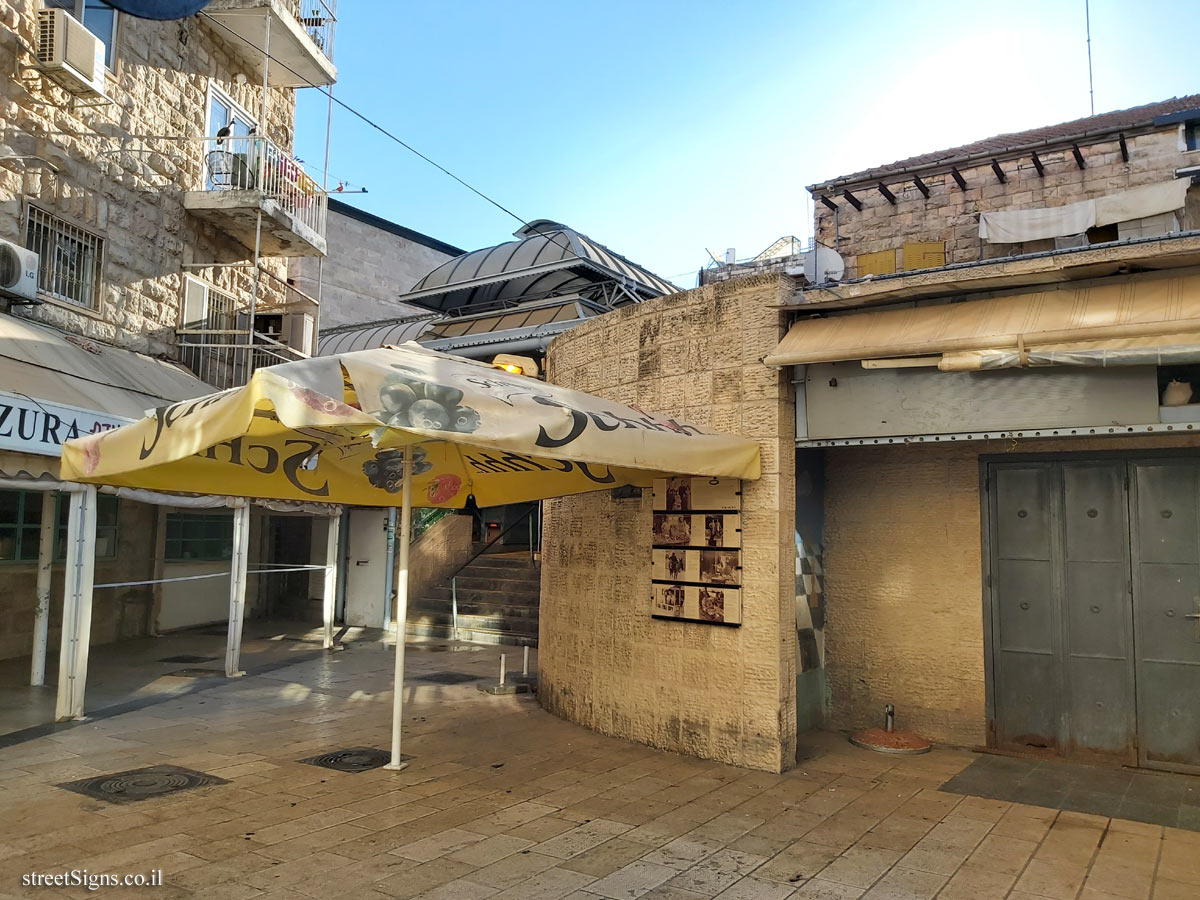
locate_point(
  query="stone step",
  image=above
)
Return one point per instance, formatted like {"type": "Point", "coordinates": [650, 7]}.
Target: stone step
{"type": "Point", "coordinates": [513, 624]}
{"type": "Point", "coordinates": [512, 610]}
{"type": "Point", "coordinates": [475, 583]}
{"type": "Point", "coordinates": [504, 562]}
{"type": "Point", "coordinates": [476, 635]}
{"type": "Point", "coordinates": [484, 595]}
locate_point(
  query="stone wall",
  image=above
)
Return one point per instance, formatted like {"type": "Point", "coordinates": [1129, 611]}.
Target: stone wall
{"type": "Point", "coordinates": [718, 693]}
{"type": "Point", "coordinates": [952, 215]}
{"type": "Point", "coordinates": [118, 169]}
{"type": "Point", "coordinates": [444, 546]}
{"type": "Point", "coordinates": [903, 583]}
{"type": "Point", "coordinates": [368, 267]}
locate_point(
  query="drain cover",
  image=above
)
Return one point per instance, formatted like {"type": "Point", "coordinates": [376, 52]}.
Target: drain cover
{"type": "Point", "coordinates": [447, 677]}
{"type": "Point", "coordinates": [355, 759]}
{"type": "Point", "coordinates": [141, 784]}
{"type": "Point", "coordinates": [187, 658]}
{"type": "Point", "coordinates": [195, 672]}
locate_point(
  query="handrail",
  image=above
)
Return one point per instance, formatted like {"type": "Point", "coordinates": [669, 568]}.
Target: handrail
{"type": "Point", "coordinates": [483, 549]}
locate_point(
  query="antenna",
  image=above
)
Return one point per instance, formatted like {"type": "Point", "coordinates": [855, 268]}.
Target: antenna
{"type": "Point", "coordinates": [1087, 17]}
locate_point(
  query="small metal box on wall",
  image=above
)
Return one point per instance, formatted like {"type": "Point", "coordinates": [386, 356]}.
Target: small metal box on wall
{"type": "Point", "coordinates": [696, 573]}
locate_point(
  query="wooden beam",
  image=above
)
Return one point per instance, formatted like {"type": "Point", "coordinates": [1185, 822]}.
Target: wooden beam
{"type": "Point", "coordinates": [958, 179]}
{"type": "Point", "coordinates": [921, 186]}
{"type": "Point", "coordinates": [1124, 147]}
{"type": "Point", "coordinates": [1037, 164]}
{"type": "Point", "coordinates": [833, 206]}
{"type": "Point", "coordinates": [852, 200]}
{"type": "Point", "coordinates": [888, 195]}
{"type": "Point", "coordinates": [1078, 154]}
{"type": "Point", "coordinates": [996, 167]}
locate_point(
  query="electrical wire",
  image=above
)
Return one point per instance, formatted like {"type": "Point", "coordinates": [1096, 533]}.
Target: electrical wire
{"type": "Point", "coordinates": [385, 132]}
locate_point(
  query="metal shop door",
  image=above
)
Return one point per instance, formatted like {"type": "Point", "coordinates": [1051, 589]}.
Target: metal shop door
{"type": "Point", "coordinates": [1094, 568]}
{"type": "Point", "coordinates": [368, 580]}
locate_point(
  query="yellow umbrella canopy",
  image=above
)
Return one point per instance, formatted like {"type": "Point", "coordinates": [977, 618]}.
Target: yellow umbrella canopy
{"type": "Point", "coordinates": [336, 429]}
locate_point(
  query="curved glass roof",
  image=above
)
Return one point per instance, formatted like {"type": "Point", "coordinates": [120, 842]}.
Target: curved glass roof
{"type": "Point", "coordinates": [546, 260]}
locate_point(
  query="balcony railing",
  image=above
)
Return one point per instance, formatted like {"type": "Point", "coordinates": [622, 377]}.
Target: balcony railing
{"type": "Point", "coordinates": [225, 358]}
{"type": "Point", "coordinates": [317, 18]}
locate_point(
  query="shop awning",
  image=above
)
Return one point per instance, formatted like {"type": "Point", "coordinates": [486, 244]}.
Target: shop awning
{"type": "Point", "coordinates": [1150, 309]}
{"type": "Point", "coordinates": [46, 364]}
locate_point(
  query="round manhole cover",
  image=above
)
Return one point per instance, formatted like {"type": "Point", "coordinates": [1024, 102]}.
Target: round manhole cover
{"type": "Point", "coordinates": [353, 759]}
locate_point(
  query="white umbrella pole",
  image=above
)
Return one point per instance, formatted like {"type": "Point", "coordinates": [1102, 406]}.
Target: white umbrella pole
{"type": "Point", "coordinates": [401, 609]}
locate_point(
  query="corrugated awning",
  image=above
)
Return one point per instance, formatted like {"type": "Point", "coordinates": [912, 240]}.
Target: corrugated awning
{"type": "Point", "coordinates": [41, 362]}
{"type": "Point", "coordinates": [1149, 306]}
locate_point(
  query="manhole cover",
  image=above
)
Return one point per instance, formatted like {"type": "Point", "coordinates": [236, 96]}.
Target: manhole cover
{"type": "Point", "coordinates": [187, 658]}
{"type": "Point", "coordinates": [447, 677]}
{"type": "Point", "coordinates": [355, 759]}
{"type": "Point", "coordinates": [195, 672]}
{"type": "Point", "coordinates": [141, 784]}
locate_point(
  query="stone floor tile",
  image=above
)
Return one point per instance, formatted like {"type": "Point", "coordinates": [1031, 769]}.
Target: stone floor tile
{"type": "Point", "coordinates": [860, 866]}
{"type": "Point", "coordinates": [1051, 878]}
{"type": "Point", "coordinates": [542, 829]}
{"type": "Point", "coordinates": [682, 853]}
{"type": "Point", "coordinates": [906, 884]}
{"type": "Point", "coordinates": [288, 873]}
{"type": "Point", "coordinates": [1165, 889]}
{"type": "Point", "coordinates": [511, 870]}
{"type": "Point", "coordinates": [1122, 876]}
{"type": "Point", "coordinates": [819, 889]}
{"type": "Point", "coordinates": [972, 883]}
{"type": "Point", "coordinates": [932, 856]}
{"type": "Point", "coordinates": [421, 878]}
{"type": "Point", "coordinates": [668, 892]}
{"type": "Point", "coordinates": [957, 831]}
{"type": "Point", "coordinates": [551, 884]}
{"type": "Point", "coordinates": [751, 888]}
{"type": "Point", "coordinates": [797, 862]}
{"type": "Point", "coordinates": [632, 881]}
{"type": "Point", "coordinates": [459, 889]}
{"type": "Point", "coordinates": [490, 850]}
{"type": "Point", "coordinates": [582, 838]}
{"type": "Point", "coordinates": [1000, 853]}
{"type": "Point", "coordinates": [606, 858]}
{"type": "Point", "coordinates": [437, 845]}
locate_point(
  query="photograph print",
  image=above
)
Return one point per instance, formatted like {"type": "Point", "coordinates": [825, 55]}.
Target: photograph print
{"type": "Point", "coordinates": [714, 531]}
{"type": "Point", "coordinates": [668, 600]}
{"type": "Point", "coordinates": [679, 494]}
{"type": "Point", "coordinates": [719, 566]}
{"type": "Point", "coordinates": [712, 605]}
{"type": "Point", "coordinates": [674, 531]}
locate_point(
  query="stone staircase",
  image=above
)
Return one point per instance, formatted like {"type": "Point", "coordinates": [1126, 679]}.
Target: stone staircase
{"type": "Point", "coordinates": [497, 603]}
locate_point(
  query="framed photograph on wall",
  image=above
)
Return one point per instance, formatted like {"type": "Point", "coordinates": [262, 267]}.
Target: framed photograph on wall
{"type": "Point", "coordinates": [696, 558]}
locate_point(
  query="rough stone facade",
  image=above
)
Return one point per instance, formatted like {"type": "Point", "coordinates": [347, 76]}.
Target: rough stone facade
{"type": "Point", "coordinates": [951, 215]}
{"type": "Point", "coordinates": [719, 693]}
{"type": "Point", "coordinates": [904, 588]}
{"type": "Point", "coordinates": [368, 267]}
{"type": "Point", "coordinates": [118, 169]}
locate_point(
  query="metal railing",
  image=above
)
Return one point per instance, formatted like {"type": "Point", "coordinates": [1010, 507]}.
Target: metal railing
{"type": "Point", "coordinates": [255, 163]}
{"type": "Point", "coordinates": [478, 553]}
{"type": "Point", "coordinates": [225, 358]}
{"type": "Point", "coordinates": [317, 18]}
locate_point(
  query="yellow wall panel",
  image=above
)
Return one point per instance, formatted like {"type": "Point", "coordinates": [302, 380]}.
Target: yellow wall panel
{"type": "Point", "coordinates": [881, 263]}
{"type": "Point", "coordinates": [923, 255]}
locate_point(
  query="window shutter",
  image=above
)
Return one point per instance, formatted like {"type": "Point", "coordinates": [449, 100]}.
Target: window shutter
{"type": "Point", "coordinates": [881, 263]}
{"type": "Point", "coordinates": [923, 255]}
{"type": "Point", "coordinates": [195, 302]}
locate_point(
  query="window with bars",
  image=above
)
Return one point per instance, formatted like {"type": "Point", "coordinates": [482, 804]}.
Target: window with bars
{"type": "Point", "coordinates": [68, 258]}
{"type": "Point", "coordinates": [21, 519]}
{"type": "Point", "coordinates": [193, 537]}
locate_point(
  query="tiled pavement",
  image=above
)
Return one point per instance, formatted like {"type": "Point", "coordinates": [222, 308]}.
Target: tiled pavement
{"type": "Point", "coordinates": [504, 801]}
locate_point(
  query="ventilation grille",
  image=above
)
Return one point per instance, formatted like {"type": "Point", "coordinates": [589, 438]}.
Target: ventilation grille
{"type": "Point", "coordinates": [10, 266]}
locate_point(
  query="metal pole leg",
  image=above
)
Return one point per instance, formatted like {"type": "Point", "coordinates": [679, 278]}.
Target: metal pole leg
{"type": "Point", "coordinates": [331, 577]}
{"type": "Point", "coordinates": [401, 610]}
{"type": "Point", "coordinates": [41, 618]}
{"type": "Point", "coordinates": [77, 604]}
{"type": "Point", "coordinates": [237, 589]}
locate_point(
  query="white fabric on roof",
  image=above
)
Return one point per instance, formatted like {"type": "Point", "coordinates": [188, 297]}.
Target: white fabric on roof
{"type": "Point", "coordinates": [1013, 226]}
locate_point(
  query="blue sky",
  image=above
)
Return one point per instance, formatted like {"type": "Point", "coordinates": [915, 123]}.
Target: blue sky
{"type": "Point", "coordinates": [661, 128]}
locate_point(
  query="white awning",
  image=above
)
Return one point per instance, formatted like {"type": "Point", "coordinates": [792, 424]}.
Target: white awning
{"type": "Point", "coordinates": [1012, 226]}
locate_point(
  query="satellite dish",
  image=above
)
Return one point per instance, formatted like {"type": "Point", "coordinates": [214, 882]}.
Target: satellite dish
{"type": "Point", "coordinates": [159, 9]}
{"type": "Point", "coordinates": [823, 264]}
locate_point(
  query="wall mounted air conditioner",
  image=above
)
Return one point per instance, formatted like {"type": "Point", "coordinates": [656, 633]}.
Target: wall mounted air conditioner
{"type": "Point", "coordinates": [70, 54]}
{"type": "Point", "coordinates": [18, 273]}
{"type": "Point", "coordinates": [300, 329]}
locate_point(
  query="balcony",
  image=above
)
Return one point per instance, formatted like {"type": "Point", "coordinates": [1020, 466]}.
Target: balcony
{"type": "Point", "coordinates": [301, 38]}
{"type": "Point", "coordinates": [245, 177]}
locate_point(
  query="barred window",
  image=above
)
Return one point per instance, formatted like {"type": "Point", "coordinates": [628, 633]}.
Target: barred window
{"type": "Point", "coordinates": [68, 258]}
{"type": "Point", "coordinates": [193, 537]}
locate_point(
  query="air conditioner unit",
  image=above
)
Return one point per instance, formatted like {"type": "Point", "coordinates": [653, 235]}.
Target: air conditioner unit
{"type": "Point", "coordinates": [18, 273]}
{"type": "Point", "coordinates": [70, 54]}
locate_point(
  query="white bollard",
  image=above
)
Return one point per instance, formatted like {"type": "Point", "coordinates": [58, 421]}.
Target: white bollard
{"type": "Point", "coordinates": [502, 660]}
{"type": "Point", "coordinates": [525, 663]}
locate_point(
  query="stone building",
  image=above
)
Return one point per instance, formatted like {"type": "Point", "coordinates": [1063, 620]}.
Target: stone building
{"type": "Point", "coordinates": [983, 503]}
{"type": "Point", "coordinates": [152, 175]}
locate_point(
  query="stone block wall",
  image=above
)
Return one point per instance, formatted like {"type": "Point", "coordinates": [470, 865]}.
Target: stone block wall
{"type": "Point", "coordinates": [118, 169]}
{"type": "Point", "coordinates": [903, 581]}
{"type": "Point", "coordinates": [951, 215]}
{"type": "Point", "coordinates": [444, 546]}
{"type": "Point", "coordinates": [714, 692]}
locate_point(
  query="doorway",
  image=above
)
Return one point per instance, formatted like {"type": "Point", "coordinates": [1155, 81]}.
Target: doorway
{"type": "Point", "coordinates": [368, 574]}
{"type": "Point", "coordinates": [1093, 605]}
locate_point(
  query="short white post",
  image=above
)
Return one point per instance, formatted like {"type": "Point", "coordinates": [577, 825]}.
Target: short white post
{"type": "Point", "coordinates": [332, 546]}
{"type": "Point", "coordinates": [77, 604]}
{"type": "Point", "coordinates": [45, 564]}
{"type": "Point", "coordinates": [502, 662]}
{"type": "Point", "coordinates": [237, 588]}
{"type": "Point", "coordinates": [401, 610]}
{"type": "Point", "coordinates": [525, 661]}
{"type": "Point", "coordinates": [454, 605]}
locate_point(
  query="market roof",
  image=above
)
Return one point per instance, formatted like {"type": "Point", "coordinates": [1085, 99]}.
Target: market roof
{"type": "Point", "coordinates": [1064, 132]}
{"type": "Point", "coordinates": [548, 259]}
